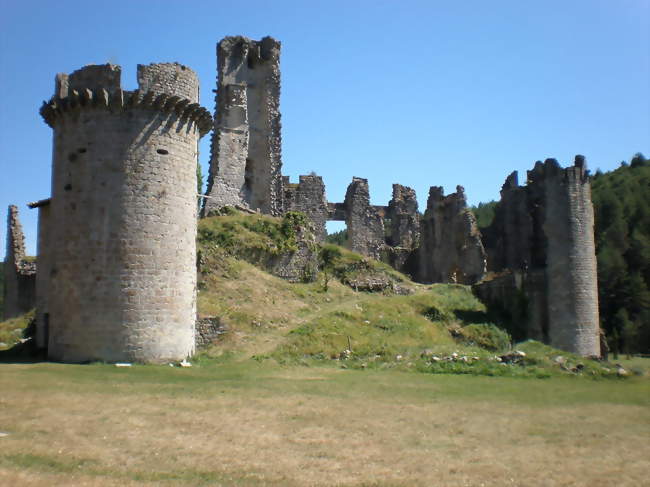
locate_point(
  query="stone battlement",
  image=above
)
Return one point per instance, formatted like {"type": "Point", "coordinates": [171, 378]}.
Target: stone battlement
{"type": "Point", "coordinates": [241, 49]}
{"type": "Point", "coordinates": [98, 86]}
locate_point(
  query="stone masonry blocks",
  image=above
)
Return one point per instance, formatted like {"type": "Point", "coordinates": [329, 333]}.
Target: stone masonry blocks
{"type": "Point", "coordinates": [365, 224]}
{"type": "Point", "coordinates": [450, 243]}
{"type": "Point", "coordinates": [544, 232]}
{"type": "Point", "coordinates": [308, 197]}
{"type": "Point", "coordinates": [246, 163]}
{"type": "Point", "coordinates": [123, 224]}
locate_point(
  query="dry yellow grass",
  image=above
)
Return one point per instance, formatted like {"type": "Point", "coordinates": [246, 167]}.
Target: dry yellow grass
{"type": "Point", "coordinates": [249, 424]}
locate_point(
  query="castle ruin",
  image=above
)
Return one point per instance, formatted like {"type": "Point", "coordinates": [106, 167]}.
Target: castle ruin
{"type": "Point", "coordinates": [245, 159]}
{"type": "Point", "coordinates": [116, 249]}
{"type": "Point", "coordinates": [541, 248]}
{"type": "Point", "coordinates": [19, 272]}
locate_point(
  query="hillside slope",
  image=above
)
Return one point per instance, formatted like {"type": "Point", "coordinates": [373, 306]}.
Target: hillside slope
{"type": "Point", "coordinates": [427, 328]}
{"type": "Point", "coordinates": [348, 312]}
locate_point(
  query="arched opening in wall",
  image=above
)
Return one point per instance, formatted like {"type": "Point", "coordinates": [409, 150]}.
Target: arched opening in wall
{"type": "Point", "coordinates": [337, 233]}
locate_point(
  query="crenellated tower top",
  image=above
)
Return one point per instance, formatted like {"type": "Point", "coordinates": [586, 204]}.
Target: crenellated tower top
{"type": "Point", "coordinates": [165, 87]}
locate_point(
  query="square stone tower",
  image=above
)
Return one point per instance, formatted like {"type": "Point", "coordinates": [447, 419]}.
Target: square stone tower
{"type": "Point", "coordinates": [245, 164]}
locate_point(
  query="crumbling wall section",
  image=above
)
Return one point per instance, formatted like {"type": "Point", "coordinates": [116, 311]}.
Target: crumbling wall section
{"type": "Point", "coordinates": [365, 224]}
{"type": "Point", "coordinates": [404, 221]}
{"type": "Point", "coordinates": [19, 272]}
{"type": "Point", "coordinates": [230, 183]}
{"type": "Point", "coordinates": [308, 197]}
{"type": "Point", "coordinates": [246, 162]}
{"type": "Point", "coordinates": [450, 242]}
{"type": "Point", "coordinates": [545, 231]}
{"type": "Point", "coordinates": [300, 264]}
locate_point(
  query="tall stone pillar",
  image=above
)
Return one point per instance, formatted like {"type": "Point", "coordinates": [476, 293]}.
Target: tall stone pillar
{"type": "Point", "coordinates": [246, 159]}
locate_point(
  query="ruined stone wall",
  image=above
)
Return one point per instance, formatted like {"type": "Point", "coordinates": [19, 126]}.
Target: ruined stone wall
{"type": "Point", "coordinates": [365, 224]}
{"type": "Point", "coordinates": [19, 273]}
{"type": "Point", "coordinates": [517, 299]}
{"type": "Point", "coordinates": [545, 230]}
{"type": "Point", "coordinates": [308, 197]}
{"type": "Point", "coordinates": [208, 330]}
{"type": "Point", "coordinates": [450, 243]}
{"type": "Point", "coordinates": [123, 222]}
{"type": "Point", "coordinates": [92, 77]}
{"type": "Point", "coordinates": [299, 265]}
{"type": "Point", "coordinates": [571, 259]}
{"type": "Point", "coordinates": [404, 221]}
{"type": "Point", "coordinates": [245, 165]}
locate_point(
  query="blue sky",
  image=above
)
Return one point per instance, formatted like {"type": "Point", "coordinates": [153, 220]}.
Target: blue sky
{"type": "Point", "coordinates": [417, 92]}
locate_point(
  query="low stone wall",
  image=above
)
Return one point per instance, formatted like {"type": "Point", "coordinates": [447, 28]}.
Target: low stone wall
{"type": "Point", "coordinates": [208, 330]}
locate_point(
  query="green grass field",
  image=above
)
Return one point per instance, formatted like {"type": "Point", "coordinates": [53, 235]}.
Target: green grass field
{"type": "Point", "coordinates": [254, 424]}
{"type": "Point", "coordinates": [315, 384]}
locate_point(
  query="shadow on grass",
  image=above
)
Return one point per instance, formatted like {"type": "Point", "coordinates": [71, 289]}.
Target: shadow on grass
{"type": "Point", "coordinates": [471, 316]}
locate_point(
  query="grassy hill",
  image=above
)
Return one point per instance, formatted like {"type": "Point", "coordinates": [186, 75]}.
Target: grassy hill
{"type": "Point", "coordinates": [407, 326]}
{"type": "Point", "coordinates": [314, 383]}
{"type": "Point", "coordinates": [327, 321]}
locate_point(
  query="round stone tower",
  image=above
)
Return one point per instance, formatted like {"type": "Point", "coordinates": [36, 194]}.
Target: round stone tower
{"type": "Point", "coordinates": [122, 280]}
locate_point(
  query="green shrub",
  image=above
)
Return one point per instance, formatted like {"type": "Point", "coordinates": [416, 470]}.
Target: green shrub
{"type": "Point", "coordinates": [485, 335]}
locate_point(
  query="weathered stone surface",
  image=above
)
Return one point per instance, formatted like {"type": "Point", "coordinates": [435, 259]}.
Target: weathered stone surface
{"type": "Point", "coordinates": [404, 228]}
{"type": "Point", "coordinates": [170, 79]}
{"type": "Point", "coordinates": [308, 197]}
{"type": "Point", "coordinates": [544, 230]}
{"type": "Point", "coordinates": [208, 330]}
{"type": "Point", "coordinates": [245, 165]}
{"type": "Point", "coordinates": [19, 273]}
{"type": "Point", "coordinates": [450, 243]}
{"type": "Point", "coordinates": [299, 265]}
{"type": "Point", "coordinates": [365, 224]}
{"type": "Point", "coordinates": [44, 265]}
{"type": "Point", "coordinates": [122, 219]}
